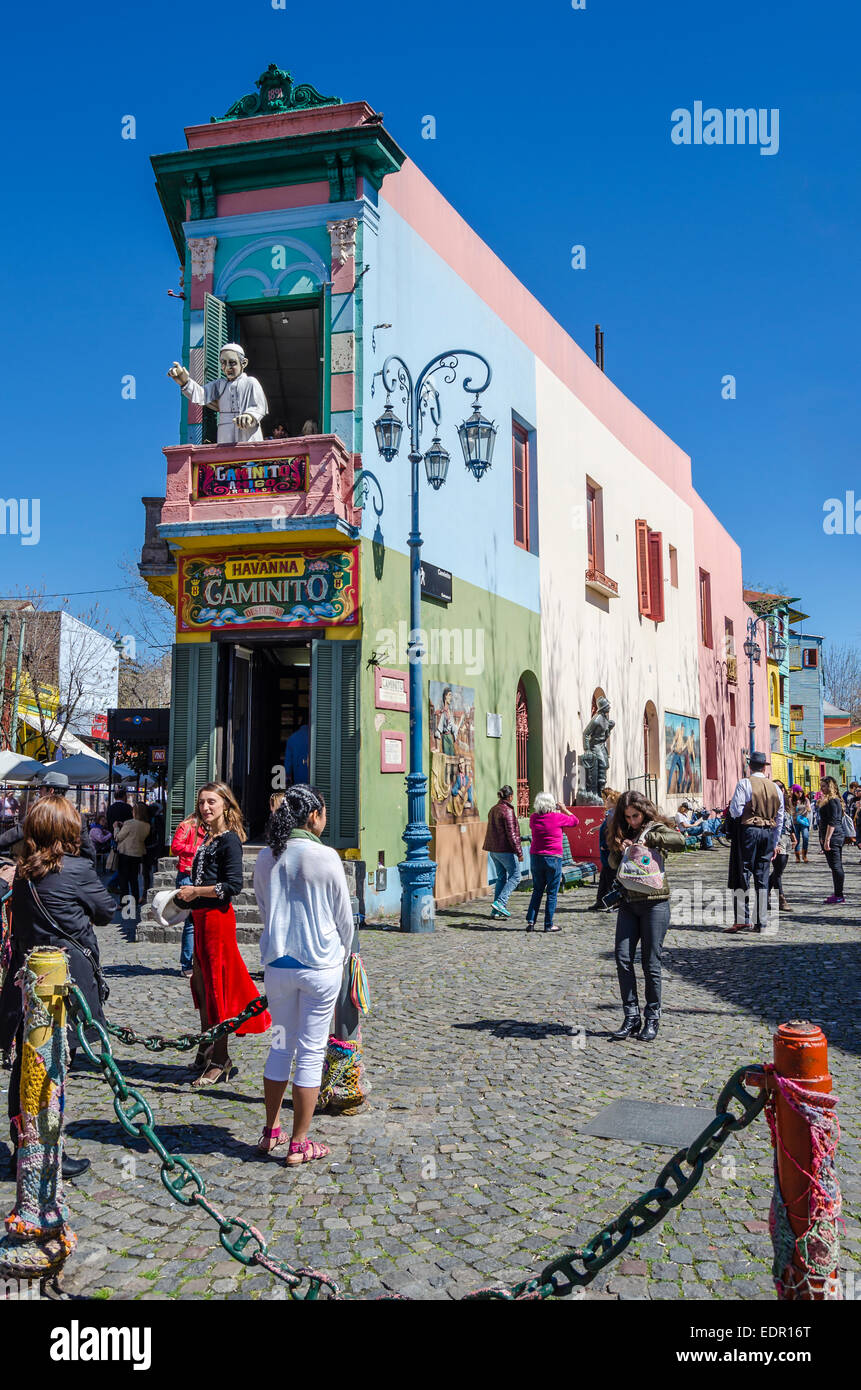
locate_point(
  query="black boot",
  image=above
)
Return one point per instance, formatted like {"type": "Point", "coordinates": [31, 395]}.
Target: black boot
{"type": "Point", "coordinates": [630, 1027]}
{"type": "Point", "coordinates": [649, 1030]}
{"type": "Point", "coordinates": [74, 1167]}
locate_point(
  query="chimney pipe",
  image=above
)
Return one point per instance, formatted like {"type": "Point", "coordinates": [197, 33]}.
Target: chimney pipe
{"type": "Point", "coordinates": [599, 346]}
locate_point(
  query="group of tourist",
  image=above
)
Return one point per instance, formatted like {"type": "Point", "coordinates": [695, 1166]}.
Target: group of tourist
{"type": "Point", "coordinates": [57, 898]}
{"type": "Point", "coordinates": [766, 823]}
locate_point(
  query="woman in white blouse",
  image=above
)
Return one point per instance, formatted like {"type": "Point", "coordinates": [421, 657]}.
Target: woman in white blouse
{"type": "Point", "coordinates": [301, 891]}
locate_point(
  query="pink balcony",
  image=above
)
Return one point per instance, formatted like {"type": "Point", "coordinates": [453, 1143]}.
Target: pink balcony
{"type": "Point", "coordinates": [287, 484]}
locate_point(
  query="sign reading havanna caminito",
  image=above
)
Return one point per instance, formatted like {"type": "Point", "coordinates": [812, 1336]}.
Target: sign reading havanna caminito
{"type": "Point", "coordinates": [268, 589]}
{"type": "Point", "coordinates": [252, 478]}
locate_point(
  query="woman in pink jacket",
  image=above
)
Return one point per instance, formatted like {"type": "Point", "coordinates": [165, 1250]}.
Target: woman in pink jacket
{"type": "Point", "coordinates": [547, 823]}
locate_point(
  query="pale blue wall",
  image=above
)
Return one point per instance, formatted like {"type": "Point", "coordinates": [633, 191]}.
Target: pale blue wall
{"type": "Point", "coordinates": [467, 526]}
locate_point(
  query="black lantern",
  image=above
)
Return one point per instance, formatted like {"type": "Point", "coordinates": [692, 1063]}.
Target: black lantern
{"type": "Point", "coordinates": [388, 430]}
{"type": "Point", "coordinates": [477, 438]}
{"type": "Point", "coordinates": [437, 460]}
{"type": "Point", "coordinates": [752, 650]}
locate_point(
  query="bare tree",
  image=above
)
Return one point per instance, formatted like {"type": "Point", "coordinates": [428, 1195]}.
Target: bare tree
{"type": "Point", "coordinates": [145, 684]}
{"type": "Point", "coordinates": [150, 621]}
{"type": "Point", "coordinates": [841, 673]}
{"type": "Point", "coordinates": [66, 667]}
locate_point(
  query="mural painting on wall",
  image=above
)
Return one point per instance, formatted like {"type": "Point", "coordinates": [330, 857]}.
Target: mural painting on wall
{"type": "Point", "coordinates": [452, 771]}
{"type": "Point", "coordinates": [682, 743]}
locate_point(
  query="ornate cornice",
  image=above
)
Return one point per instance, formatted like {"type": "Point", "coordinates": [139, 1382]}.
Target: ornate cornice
{"type": "Point", "coordinates": [276, 92]}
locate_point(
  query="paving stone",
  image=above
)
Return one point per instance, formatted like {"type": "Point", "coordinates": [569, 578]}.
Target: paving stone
{"type": "Point", "coordinates": [460, 1075]}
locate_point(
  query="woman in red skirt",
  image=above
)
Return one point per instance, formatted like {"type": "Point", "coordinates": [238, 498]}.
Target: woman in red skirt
{"type": "Point", "coordinates": [220, 985]}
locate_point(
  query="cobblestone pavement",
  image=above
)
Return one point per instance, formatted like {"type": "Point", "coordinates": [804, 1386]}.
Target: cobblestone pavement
{"type": "Point", "coordinates": [467, 1166]}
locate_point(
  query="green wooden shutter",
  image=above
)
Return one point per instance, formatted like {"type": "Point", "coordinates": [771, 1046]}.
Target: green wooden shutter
{"type": "Point", "coordinates": [217, 330]}
{"type": "Point", "coordinates": [335, 737]}
{"type": "Point", "coordinates": [191, 756]}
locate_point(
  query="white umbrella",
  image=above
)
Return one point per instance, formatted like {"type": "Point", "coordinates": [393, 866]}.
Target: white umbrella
{"type": "Point", "coordinates": [14, 767]}
{"type": "Point", "coordinates": [82, 769]}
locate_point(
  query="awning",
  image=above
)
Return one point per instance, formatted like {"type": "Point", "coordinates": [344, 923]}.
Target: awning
{"type": "Point", "coordinates": [69, 742]}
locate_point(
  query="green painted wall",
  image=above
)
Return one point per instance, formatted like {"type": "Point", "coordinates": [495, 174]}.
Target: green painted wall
{"type": "Point", "coordinates": [511, 645]}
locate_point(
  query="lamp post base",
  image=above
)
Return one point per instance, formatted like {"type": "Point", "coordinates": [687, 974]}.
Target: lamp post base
{"type": "Point", "coordinates": [417, 905]}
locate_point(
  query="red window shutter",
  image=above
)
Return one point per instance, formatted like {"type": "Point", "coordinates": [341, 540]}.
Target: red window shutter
{"type": "Point", "coordinates": [520, 458]}
{"type": "Point", "coordinates": [656, 576]}
{"type": "Point", "coordinates": [706, 605]}
{"type": "Point", "coordinates": [599, 529]}
{"type": "Point", "coordinates": [643, 566]}
{"type": "Point", "coordinates": [591, 532]}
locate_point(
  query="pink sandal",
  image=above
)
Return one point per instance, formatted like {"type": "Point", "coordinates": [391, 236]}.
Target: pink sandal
{"type": "Point", "coordinates": [307, 1149]}
{"type": "Point", "coordinates": [272, 1141]}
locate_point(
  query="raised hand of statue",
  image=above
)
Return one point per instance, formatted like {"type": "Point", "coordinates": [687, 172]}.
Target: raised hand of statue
{"type": "Point", "coordinates": [179, 374]}
{"type": "Point", "coordinates": [246, 422]}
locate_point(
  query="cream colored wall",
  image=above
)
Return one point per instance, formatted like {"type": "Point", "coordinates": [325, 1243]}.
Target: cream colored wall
{"type": "Point", "coordinates": [588, 641]}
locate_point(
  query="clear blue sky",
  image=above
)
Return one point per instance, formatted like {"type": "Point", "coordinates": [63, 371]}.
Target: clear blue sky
{"type": "Point", "coordinates": [553, 128]}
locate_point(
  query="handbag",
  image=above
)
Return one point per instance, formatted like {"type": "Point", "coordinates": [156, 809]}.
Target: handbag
{"type": "Point", "coordinates": [359, 992]}
{"type": "Point", "coordinates": [848, 826]}
{"type": "Point", "coordinates": [802, 820]}
{"type": "Point", "coordinates": [111, 861]}
{"type": "Point", "coordinates": [101, 982]}
{"type": "Point", "coordinates": [640, 875]}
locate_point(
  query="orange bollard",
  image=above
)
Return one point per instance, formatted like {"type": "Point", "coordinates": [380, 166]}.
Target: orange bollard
{"type": "Point", "coordinates": [800, 1055]}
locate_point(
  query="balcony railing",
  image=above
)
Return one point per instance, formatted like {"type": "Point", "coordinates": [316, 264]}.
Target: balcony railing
{"type": "Point", "coordinates": [278, 484]}
{"type": "Point", "coordinates": [601, 583]}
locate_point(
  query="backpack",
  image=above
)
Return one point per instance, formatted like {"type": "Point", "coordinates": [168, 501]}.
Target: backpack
{"type": "Point", "coordinates": [639, 875]}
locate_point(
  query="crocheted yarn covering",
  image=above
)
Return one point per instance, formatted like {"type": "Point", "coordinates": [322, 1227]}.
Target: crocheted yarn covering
{"type": "Point", "coordinates": [342, 1089]}
{"type": "Point", "coordinates": [818, 1246]}
{"type": "Point", "coordinates": [40, 1212]}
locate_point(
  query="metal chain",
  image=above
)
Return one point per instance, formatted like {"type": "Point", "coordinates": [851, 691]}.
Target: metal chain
{"type": "Point", "coordinates": [184, 1042]}
{"type": "Point", "coordinates": [557, 1279]}
{"type": "Point", "coordinates": [561, 1277]}
{"type": "Point", "coordinates": [178, 1173]}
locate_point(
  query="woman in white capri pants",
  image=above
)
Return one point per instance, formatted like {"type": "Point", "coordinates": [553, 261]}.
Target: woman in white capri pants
{"type": "Point", "coordinates": [302, 894]}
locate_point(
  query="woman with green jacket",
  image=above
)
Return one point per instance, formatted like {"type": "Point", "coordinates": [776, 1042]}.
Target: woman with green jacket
{"type": "Point", "coordinates": [637, 821]}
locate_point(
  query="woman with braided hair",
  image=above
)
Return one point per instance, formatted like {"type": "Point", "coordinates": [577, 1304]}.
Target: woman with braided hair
{"type": "Point", "coordinates": [301, 892]}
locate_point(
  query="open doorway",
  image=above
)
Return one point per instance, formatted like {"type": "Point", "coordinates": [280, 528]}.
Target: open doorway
{"type": "Point", "coordinates": [264, 699]}
{"type": "Point", "coordinates": [285, 353]}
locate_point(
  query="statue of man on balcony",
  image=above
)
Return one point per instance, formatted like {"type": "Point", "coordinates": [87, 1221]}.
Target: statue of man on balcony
{"type": "Point", "coordinates": [238, 398]}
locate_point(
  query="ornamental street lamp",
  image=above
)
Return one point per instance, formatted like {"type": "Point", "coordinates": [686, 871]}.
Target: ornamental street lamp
{"type": "Point", "coordinates": [774, 645]}
{"type": "Point", "coordinates": [477, 437]}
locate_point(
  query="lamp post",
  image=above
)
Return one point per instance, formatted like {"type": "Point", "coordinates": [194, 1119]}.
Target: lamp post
{"type": "Point", "coordinates": [753, 652]}
{"type": "Point", "coordinates": [477, 438]}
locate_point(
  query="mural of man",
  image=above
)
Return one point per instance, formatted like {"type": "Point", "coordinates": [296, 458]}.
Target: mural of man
{"type": "Point", "coordinates": [238, 399]}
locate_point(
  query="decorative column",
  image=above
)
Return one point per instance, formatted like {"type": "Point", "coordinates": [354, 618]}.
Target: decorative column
{"type": "Point", "coordinates": [342, 393]}
{"type": "Point", "coordinates": [202, 252]}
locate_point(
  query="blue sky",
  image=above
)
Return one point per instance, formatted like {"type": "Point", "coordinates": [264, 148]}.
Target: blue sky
{"type": "Point", "coordinates": [553, 129]}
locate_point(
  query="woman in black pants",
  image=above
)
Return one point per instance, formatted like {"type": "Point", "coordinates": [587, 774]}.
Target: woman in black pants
{"type": "Point", "coordinates": [642, 919]}
{"type": "Point", "coordinates": [831, 835]}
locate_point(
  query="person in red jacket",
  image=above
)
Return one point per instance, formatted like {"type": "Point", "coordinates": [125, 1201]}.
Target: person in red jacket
{"type": "Point", "coordinates": [503, 844]}
{"type": "Point", "coordinates": [186, 838]}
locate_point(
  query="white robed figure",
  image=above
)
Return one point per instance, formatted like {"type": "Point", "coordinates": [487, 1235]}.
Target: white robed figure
{"type": "Point", "coordinates": [239, 399]}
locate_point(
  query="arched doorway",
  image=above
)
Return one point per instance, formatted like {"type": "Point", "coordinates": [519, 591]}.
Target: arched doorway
{"type": "Point", "coordinates": [651, 751]}
{"type": "Point", "coordinates": [521, 734]}
{"type": "Point", "coordinates": [528, 740]}
{"type": "Point", "coordinates": [711, 750]}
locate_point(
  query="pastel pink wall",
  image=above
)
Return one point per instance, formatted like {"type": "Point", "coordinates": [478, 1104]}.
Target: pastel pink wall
{"type": "Point", "coordinates": [717, 553]}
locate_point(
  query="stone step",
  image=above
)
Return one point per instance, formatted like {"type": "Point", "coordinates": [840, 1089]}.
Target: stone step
{"type": "Point", "coordinates": [247, 934]}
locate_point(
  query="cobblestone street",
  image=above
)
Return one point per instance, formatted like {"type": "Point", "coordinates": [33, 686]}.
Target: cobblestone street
{"type": "Point", "coordinates": [467, 1166]}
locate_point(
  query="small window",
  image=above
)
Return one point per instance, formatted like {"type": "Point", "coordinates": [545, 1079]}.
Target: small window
{"type": "Point", "coordinates": [728, 637]}
{"type": "Point", "coordinates": [810, 656]}
{"type": "Point", "coordinates": [796, 713]}
{"type": "Point", "coordinates": [594, 526]}
{"type": "Point", "coordinates": [706, 609]}
{"type": "Point", "coordinates": [520, 455]}
{"type": "Point", "coordinates": [674, 567]}
{"type": "Point", "coordinates": [732, 708]}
